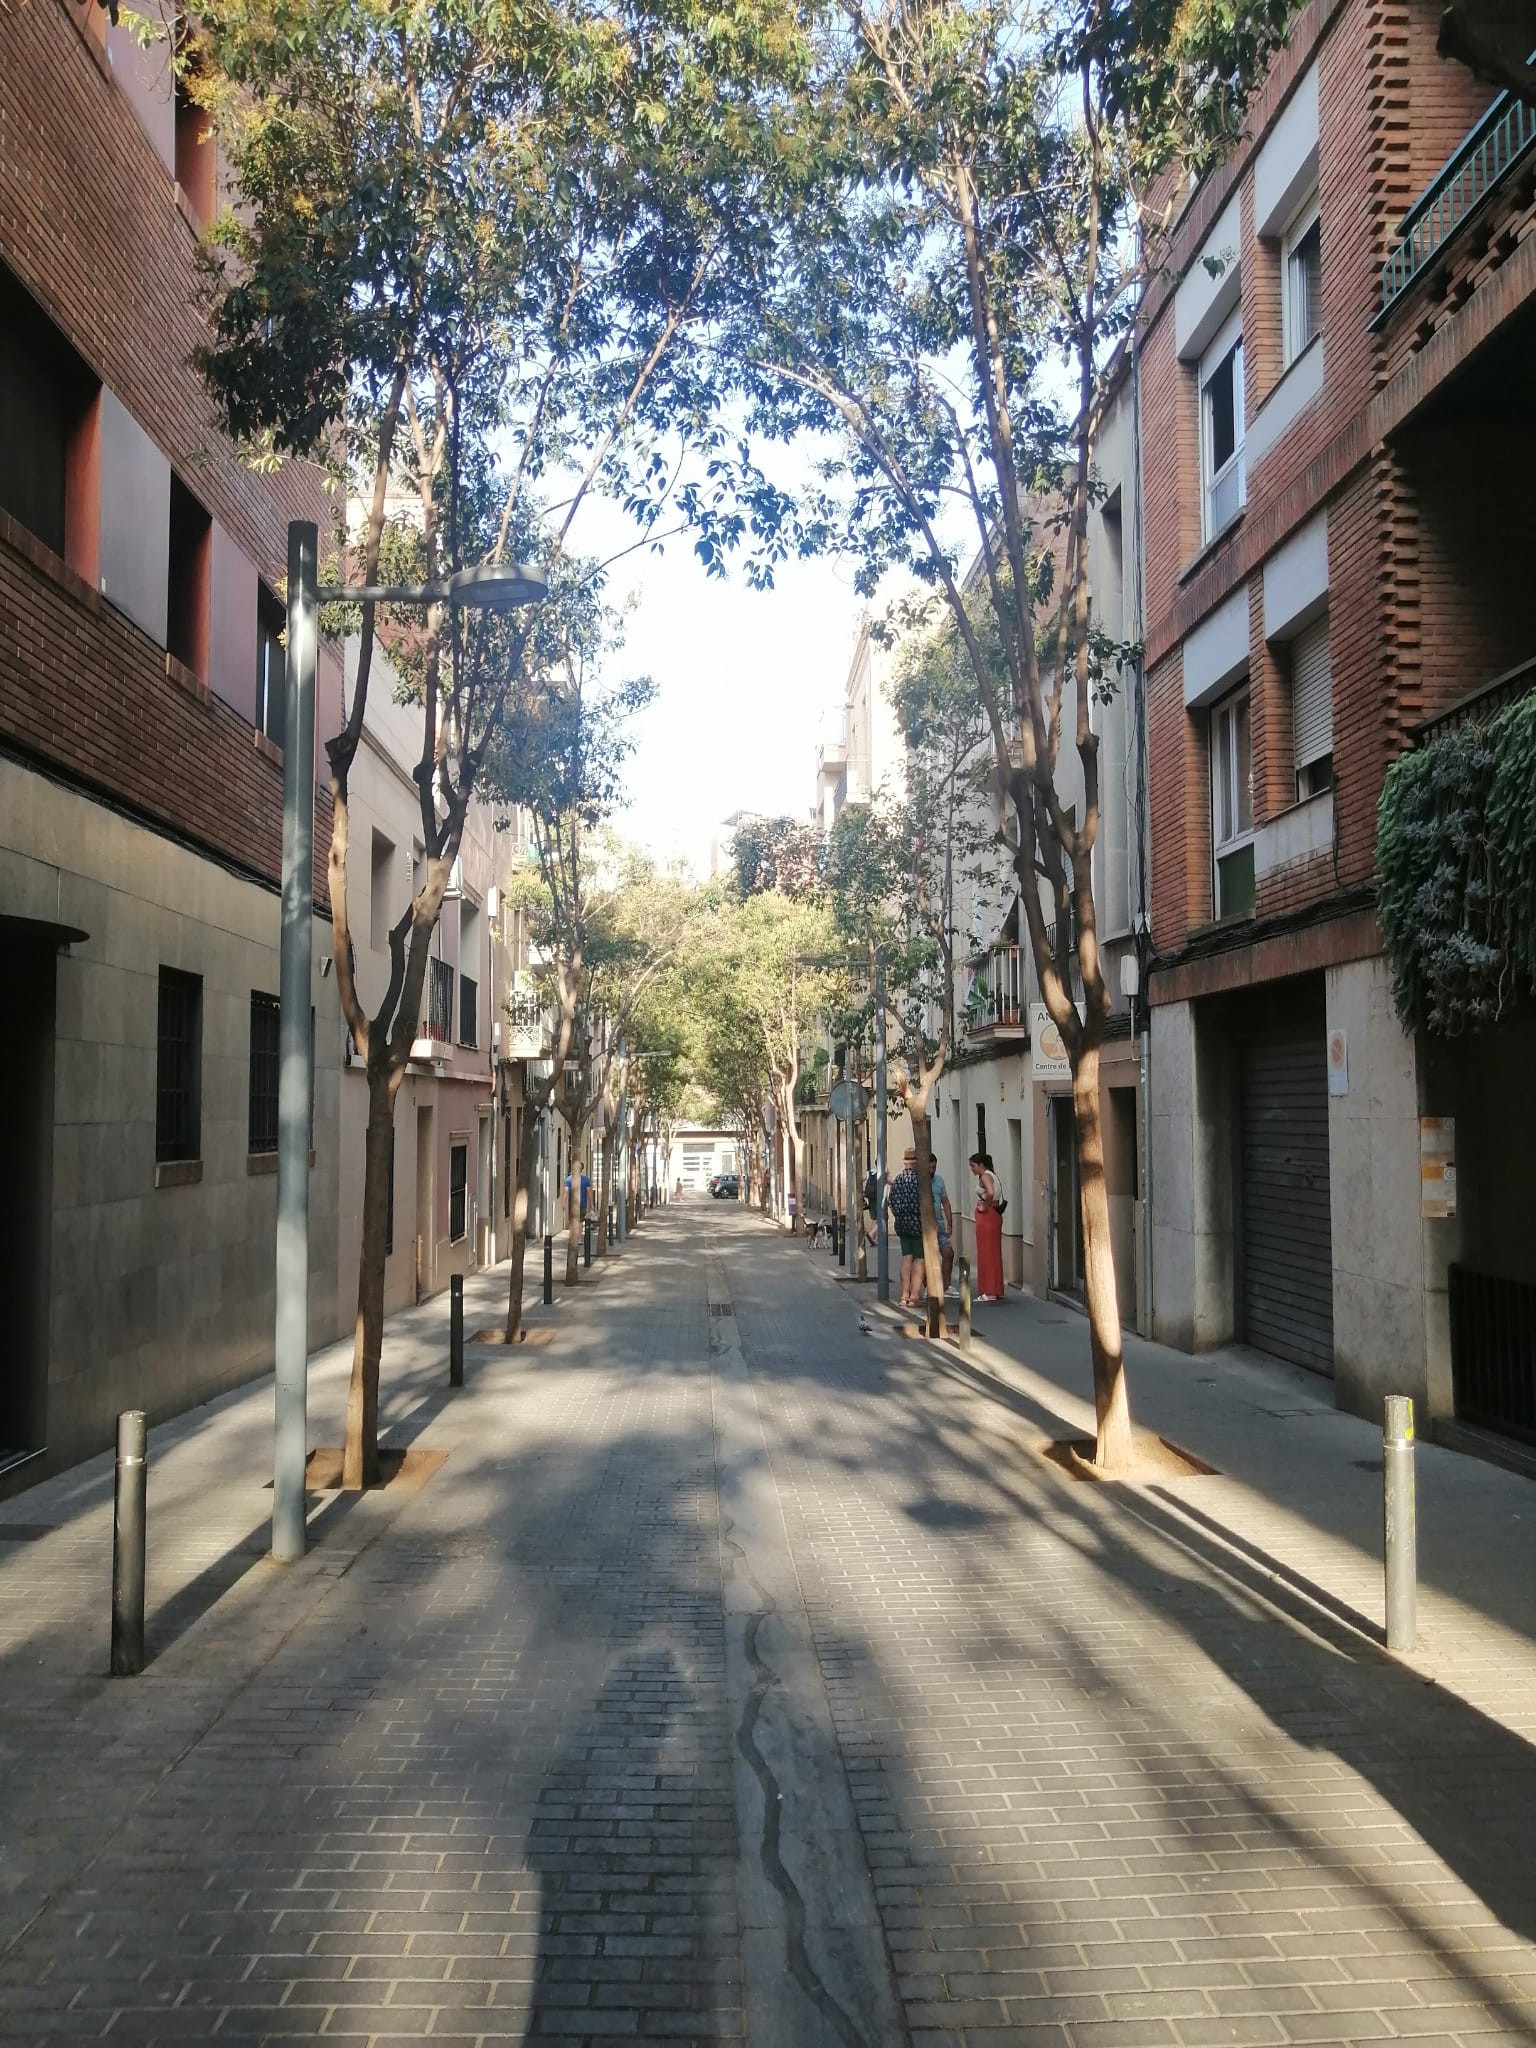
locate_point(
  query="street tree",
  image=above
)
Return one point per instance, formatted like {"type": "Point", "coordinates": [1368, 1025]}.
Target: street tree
{"type": "Point", "coordinates": [462, 230]}
{"type": "Point", "coordinates": [891, 871]}
{"type": "Point", "coordinates": [999, 183]}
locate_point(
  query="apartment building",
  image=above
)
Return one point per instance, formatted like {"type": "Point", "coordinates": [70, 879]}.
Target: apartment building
{"type": "Point", "coordinates": [141, 734]}
{"type": "Point", "coordinates": [458, 1112]}
{"type": "Point", "coordinates": [1336, 404]}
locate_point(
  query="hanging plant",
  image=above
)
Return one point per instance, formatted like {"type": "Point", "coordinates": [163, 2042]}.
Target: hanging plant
{"type": "Point", "coordinates": [1456, 869]}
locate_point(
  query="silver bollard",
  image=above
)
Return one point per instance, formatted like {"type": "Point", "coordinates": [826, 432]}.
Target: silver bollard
{"type": "Point", "coordinates": [128, 1547]}
{"type": "Point", "coordinates": [456, 1331]}
{"type": "Point", "coordinates": [964, 1332]}
{"type": "Point", "coordinates": [1400, 1531]}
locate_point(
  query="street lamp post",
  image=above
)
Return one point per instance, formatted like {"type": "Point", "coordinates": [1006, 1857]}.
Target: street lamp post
{"type": "Point", "coordinates": [488, 584]}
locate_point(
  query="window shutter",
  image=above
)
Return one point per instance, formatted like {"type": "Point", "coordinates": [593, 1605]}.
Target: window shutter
{"type": "Point", "coordinates": [1312, 694]}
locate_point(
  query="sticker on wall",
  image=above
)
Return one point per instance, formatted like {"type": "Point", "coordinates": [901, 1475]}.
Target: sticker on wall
{"type": "Point", "coordinates": [1437, 1166]}
{"type": "Point", "coordinates": [1338, 1062]}
{"type": "Point", "coordinates": [1048, 1049]}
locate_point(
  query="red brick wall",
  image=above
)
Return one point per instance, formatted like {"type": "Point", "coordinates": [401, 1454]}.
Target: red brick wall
{"type": "Point", "coordinates": [1425, 600]}
{"type": "Point", "coordinates": [93, 225]}
{"type": "Point", "coordinates": [84, 691]}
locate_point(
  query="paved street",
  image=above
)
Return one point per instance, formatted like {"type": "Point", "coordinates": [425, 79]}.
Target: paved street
{"type": "Point", "coordinates": [739, 1674]}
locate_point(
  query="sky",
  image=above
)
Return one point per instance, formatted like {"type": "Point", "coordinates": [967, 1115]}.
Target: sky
{"type": "Point", "coordinates": [747, 684]}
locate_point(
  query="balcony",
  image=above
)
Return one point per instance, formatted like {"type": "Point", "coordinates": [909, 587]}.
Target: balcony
{"type": "Point", "coordinates": [1478, 705]}
{"type": "Point", "coordinates": [994, 1003]}
{"type": "Point", "coordinates": [1502, 139]}
{"type": "Point", "coordinates": [469, 1014]}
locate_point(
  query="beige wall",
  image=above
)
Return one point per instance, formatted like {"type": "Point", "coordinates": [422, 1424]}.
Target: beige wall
{"type": "Point", "coordinates": [158, 1296]}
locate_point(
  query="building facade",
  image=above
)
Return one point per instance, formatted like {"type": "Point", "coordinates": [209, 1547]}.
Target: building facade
{"type": "Point", "coordinates": [1335, 398]}
{"type": "Point", "coordinates": [141, 708]}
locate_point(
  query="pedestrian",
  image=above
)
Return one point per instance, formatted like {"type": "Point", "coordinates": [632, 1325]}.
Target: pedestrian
{"type": "Point", "coordinates": [944, 1217]}
{"type": "Point", "coordinates": [907, 1215]}
{"type": "Point", "coordinates": [874, 1195]}
{"type": "Point", "coordinates": [990, 1205]}
{"type": "Point", "coordinates": [585, 1189]}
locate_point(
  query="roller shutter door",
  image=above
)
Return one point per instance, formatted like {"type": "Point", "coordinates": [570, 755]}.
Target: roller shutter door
{"type": "Point", "coordinates": [1286, 1251]}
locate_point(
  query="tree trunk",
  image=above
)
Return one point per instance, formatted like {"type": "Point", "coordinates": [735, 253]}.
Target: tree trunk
{"type": "Point", "coordinates": [605, 1199]}
{"type": "Point", "coordinates": [360, 1458]}
{"type": "Point", "coordinates": [933, 1264]}
{"type": "Point", "coordinates": [1110, 1400]}
{"type": "Point", "coordinates": [527, 1151]}
{"type": "Point", "coordinates": [573, 1227]}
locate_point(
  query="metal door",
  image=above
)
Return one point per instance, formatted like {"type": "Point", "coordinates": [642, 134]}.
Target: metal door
{"type": "Point", "coordinates": [1286, 1246]}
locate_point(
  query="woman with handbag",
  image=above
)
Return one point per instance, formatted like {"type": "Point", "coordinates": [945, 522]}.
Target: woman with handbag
{"type": "Point", "coordinates": [990, 1205]}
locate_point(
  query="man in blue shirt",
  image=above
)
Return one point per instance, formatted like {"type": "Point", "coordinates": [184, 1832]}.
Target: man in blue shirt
{"type": "Point", "coordinates": [585, 1184]}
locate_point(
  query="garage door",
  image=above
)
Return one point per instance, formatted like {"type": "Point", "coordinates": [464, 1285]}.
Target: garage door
{"type": "Point", "coordinates": [1286, 1251]}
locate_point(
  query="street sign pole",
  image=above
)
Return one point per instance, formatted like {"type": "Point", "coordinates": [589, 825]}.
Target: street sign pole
{"type": "Point", "coordinates": [849, 1188]}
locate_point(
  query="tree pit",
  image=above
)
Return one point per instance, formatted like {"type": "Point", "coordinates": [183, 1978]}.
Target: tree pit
{"type": "Point", "coordinates": [1153, 1458]}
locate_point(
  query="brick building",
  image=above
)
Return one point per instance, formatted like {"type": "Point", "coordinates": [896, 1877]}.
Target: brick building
{"type": "Point", "coordinates": [141, 694]}
{"type": "Point", "coordinates": [1337, 410]}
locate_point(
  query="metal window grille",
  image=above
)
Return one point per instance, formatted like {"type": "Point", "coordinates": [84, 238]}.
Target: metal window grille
{"type": "Point", "coordinates": [262, 1107]}
{"type": "Point", "coordinates": [440, 1002]}
{"type": "Point", "coordinates": [458, 1191]}
{"type": "Point", "coordinates": [469, 1015]}
{"type": "Point", "coordinates": [178, 1093]}
{"type": "Point", "coordinates": [271, 687]}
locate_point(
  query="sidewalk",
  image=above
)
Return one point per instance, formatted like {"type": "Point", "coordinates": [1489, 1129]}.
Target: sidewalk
{"type": "Point", "coordinates": [1295, 1502]}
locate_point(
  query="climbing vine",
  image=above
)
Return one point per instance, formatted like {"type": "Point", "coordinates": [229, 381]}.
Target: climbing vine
{"type": "Point", "coordinates": [1456, 866]}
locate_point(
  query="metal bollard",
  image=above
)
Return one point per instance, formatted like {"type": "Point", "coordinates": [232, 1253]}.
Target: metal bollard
{"type": "Point", "coordinates": [1399, 1519]}
{"type": "Point", "coordinates": [128, 1546]}
{"type": "Point", "coordinates": [842, 1249]}
{"type": "Point", "coordinates": [456, 1331]}
{"type": "Point", "coordinates": [965, 1304]}
{"type": "Point", "coordinates": [586, 1241]}
{"type": "Point", "coordinates": [549, 1269]}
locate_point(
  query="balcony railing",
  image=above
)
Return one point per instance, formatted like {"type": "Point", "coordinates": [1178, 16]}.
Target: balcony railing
{"type": "Point", "coordinates": [440, 1001]}
{"type": "Point", "coordinates": [996, 998]}
{"type": "Point", "coordinates": [1480, 704]}
{"type": "Point", "coordinates": [1502, 138]}
{"type": "Point", "coordinates": [469, 1014]}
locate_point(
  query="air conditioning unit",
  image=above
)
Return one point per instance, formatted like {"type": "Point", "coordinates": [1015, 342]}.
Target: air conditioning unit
{"type": "Point", "coordinates": [493, 902]}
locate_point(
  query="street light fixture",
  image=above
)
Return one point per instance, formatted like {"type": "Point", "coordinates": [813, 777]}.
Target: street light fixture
{"type": "Point", "coordinates": [504, 587]}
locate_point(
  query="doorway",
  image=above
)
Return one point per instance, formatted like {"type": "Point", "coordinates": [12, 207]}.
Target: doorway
{"type": "Point", "coordinates": [26, 1192]}
{"type": "Point", "coordinates": [426, 1231]}
{"type": "Point", "coordinates": [1065, 1206]}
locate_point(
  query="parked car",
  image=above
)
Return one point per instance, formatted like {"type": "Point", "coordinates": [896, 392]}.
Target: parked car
{"type": "Point", "coordinates": [725, 1187]}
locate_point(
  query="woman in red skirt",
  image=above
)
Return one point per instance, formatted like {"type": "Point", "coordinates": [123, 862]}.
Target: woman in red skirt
{"type": "Point", "coordinates": [989, 1229]}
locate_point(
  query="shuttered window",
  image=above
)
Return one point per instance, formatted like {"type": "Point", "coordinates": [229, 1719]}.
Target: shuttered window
{"type": "Point", "coordinates": [1312, 708]}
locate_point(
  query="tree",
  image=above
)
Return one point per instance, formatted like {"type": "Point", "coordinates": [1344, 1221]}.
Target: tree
{"type": "Point", "coordinates": [890, 877]}
{"type": "Point", "coordinates": [985, 220]}
{"type": "Point", "coordinates": [462, 230]}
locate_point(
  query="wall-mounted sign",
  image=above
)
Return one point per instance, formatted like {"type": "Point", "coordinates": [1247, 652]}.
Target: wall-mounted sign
{"type": "Point", "coordinates": [1437, 1166]}
{"type": "Point", "coordinates": [1338, 1062]}
{"type": "Point", "coordinates": [1047, 1047]}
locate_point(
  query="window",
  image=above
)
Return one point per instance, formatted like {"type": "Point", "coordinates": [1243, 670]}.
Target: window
{"type": "Point", "coordinates": [196, 152]}
{"type": "Point", "coordinates": [1232, 805]}
{"type": "Point", "coordinates": [271, 693]}
{"type": "Point", "coordinates": [1221, 431]}
{"type": "Point", "coordinates": [458, 1191]}
{"type": "Point", "coordinates": [178, 1066]}
{"type": "Point", "coordinates": [1312, 710]}
{"type": "Point", "coordinates": [1302, 285]}
{"type": "Point", "coordinates": [45, 397]}
{"type": "Point", "coordinates": [469, 1012]}
{"type": "Point", "coordinates": [469, 962]}
{"type": "Point", "coordinates": [262, 1108]}
{"type": "Point", "coordinates": [379, 918]}
{"type": "Point", "coordinates": [187, 579]}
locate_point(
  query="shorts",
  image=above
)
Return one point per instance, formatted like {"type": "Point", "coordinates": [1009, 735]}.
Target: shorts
{"type": "Point", "coordinates": [911, 1247]}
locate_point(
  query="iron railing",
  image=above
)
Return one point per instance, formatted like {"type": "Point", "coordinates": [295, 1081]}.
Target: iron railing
{"type": "Point", "coordinates": [996, 999]}
{"type": "Point", "coordinates": [1493, 1352]}
{"type": "Point", "coordinates": [440, 1001]}
{"type": "Point", "coordinates": [1500, 140]}
{"type": "Point", "coordinates": [1479, 705]}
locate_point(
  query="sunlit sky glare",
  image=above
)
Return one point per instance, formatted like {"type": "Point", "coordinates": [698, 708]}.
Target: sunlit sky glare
{"type": "Point", "coordinates": [744, 679]}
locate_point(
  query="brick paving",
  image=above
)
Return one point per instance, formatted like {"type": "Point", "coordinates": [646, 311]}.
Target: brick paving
{"type": "Point", "coordinates": [534, 1753]}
